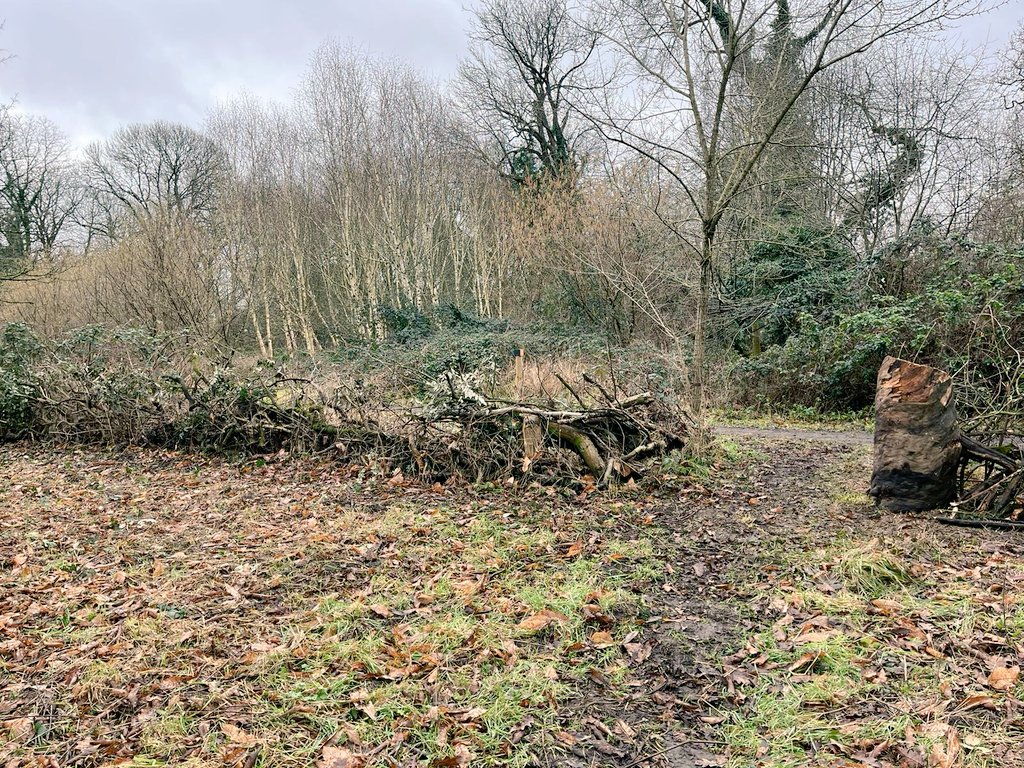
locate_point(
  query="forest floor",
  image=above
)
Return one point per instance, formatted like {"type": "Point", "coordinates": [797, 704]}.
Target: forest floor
{"type": "Point", "coordinates": [160, 609]}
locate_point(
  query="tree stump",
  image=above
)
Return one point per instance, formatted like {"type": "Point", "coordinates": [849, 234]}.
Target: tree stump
{"type": "Point", "coordinates": [917, 441]}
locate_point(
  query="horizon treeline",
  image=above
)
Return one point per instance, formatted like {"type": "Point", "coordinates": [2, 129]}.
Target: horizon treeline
{"type": "Point", "coordinates": [722, 178]}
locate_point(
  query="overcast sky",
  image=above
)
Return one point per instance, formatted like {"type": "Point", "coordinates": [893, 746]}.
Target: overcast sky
{"type": "Point", "coordinates": [93, 65]}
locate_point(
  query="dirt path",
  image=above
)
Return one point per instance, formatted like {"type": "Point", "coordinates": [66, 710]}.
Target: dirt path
{"type": "Point", "coordinates": [796, 435]}
{"type": "Point", "coordinates": [718, 537]}
{"type": "Point", "coordinates": [795, 509]}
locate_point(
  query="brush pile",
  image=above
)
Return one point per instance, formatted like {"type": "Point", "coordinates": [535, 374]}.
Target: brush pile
{"type": "Point", "coordinates": [603, 436]}
{"type": "Point", "coordinates": [120, 387]}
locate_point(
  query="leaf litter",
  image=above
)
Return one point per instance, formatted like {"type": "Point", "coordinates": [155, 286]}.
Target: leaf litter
{"type": "Point", "coordinates": [168, 609]}
{"type": "Point", "coordinates": [165, 609]}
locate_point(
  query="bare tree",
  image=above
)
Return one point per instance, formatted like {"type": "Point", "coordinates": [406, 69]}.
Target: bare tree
{"type": "Point", "coordinates": [150, 169]}
{"type": "Point", "coordinates": [39, 190]}
{"type": "Point", "coordinates": [914, 138]}
{"type": "Point", "coordinates": [691, 65]}
{"type": "Point", "coordinates": [1012, 74]}
{"type": "Point", "coordinates": [151, 198]}
{"type": "Point", "coordinates": [1001, 217]}
{"type": "Point", "coordinates": [12, 265]}
{"type": "Point", "coordinates": [526, 60]}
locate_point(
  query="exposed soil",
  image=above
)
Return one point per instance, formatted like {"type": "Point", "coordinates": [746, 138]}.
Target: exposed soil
{"type": "Point", "coordinates": [724, 541]}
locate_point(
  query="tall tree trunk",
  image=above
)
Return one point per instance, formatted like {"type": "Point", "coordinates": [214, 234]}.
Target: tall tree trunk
{"type": "Point", "coordinates": [698, 371]}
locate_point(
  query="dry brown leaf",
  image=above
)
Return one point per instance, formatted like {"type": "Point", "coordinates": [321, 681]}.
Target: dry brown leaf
{"type": "Point", "coordinates": [593, 612]}
{"type": "Point", "coordinates": [339, 757]}
{"type": "Point", "coordinates": [1003, 678]}
{"type": "Point", "coordinates": [946, 752]}
{"type": "Point", "coordinates": [887, 606]}
{"type": "Point", "coordinates": [804, 662]}
{"type": "Point", "coordinates": [576, 549]}
{"type": "Point", "coordinates": [624, 729]}
{"type": "Point", "coordinates": [566, 738]}
{"type": "Point", "coordinates": [234, 756]}
{"type": "Point", "coordinates": [467, 587]}
{"type": "Point", "coordinates": [638, 652]}
{"type": "Point", "coordinates": [977, 700]}
{"type": "Point", "coordinates": [238, 736]}
{"type": "Point", "coordinates": [602, 639]}
{"type": "Point", "coordinates": [712, 719]}
{"type": "Point", "coordinates": [233, 591]}
{"type": "Point", "coordinates": [21, 729]}
{"type": "Point", "coordinates": [538, 621]}
{"type": "Point", "coordinates": [462, 755]}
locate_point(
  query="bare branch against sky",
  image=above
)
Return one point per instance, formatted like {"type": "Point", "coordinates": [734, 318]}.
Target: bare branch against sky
{"type": "Point", "coordinates": [94, 66]}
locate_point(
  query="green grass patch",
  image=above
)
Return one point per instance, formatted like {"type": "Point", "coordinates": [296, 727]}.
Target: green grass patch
{"type": "Point", "coordinates": [871, 655]}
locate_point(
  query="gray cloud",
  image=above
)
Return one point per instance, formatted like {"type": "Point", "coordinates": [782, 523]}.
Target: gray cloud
{"type": "Point", "coordinates": [92, 65]}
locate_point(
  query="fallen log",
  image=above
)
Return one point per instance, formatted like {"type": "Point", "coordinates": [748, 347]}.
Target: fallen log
{"type": "Point", "coordinates": [582, 444]}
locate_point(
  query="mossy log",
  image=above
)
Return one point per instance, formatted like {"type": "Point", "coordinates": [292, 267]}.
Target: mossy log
{"type": "Point", "coordinates": [583, 445]}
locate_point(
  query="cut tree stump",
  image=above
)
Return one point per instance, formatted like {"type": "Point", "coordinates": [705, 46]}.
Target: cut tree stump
{"type": "Point", "coordinates": [917, 441]}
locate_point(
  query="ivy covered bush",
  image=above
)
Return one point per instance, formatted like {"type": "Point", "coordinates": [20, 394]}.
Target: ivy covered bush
{"type": "Point", "coordinates": [19, 390]}
{"type": "Point", "coordinates": [967, 318]}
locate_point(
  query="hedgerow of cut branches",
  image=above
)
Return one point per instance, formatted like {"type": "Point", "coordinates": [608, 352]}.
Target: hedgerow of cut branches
{"type": "Point", "coordinates": [126, 386]}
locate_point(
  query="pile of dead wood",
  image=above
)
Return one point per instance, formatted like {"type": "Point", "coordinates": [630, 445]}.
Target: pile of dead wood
{"type": "Point", "coordinates": [602, 437]}
{"type": "Point", "coordinates": [923, 461]}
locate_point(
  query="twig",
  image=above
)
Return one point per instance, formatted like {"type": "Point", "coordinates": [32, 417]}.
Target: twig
{"type": "Point", "coordinates": [1006, 525]}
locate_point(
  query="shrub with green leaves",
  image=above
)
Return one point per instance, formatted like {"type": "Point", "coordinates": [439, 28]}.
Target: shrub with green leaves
{"type": "Point", "coordinates": [19, 347]}
{"type": "Point", "coordinates": [970, 323]}
{"type": "Point", "coordinates": [792, 271]}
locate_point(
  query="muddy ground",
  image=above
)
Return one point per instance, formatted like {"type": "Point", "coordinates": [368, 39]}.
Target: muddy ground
{"type": "Point", "coordinates": [795, 491]}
